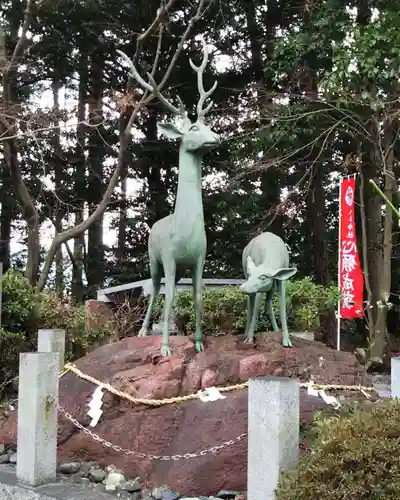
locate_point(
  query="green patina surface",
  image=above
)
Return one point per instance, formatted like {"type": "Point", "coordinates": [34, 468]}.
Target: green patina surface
{"type": "Point", "coordinates": [178, 242]}
{"type": "Point", "coordinates": [266, 267]}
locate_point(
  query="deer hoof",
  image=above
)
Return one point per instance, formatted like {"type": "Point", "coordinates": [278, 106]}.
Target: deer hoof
{"type": "Point", "coordinates": [143, 333]}
{"type": "Point", "coordinates": [165, 350]}
{"type": "Point", "coordinates": [249, 340]}
{"type": "Point", "coordinates": [199, 346]}
{"type": "Point", "coordinates": [287, 342]}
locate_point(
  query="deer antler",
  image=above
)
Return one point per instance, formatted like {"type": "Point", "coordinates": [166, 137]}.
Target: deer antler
{"type": "Point", "coordinates": [152, 87]}
{"type": "Point", "coordinates": [203, 94]}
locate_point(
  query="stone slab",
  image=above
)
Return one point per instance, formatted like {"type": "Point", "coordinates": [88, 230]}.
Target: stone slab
{"type": "Point", "coordinates": [52, 340]}
{"type": "Point", "coordinates": [11, 489]}
{"type": "Point", "coordinates": [395, 377]}
{"type": "Point", "coordinates": [300, 335]}
{"type": "Point", "coordinates": [37, 417]}
{"type": "Point", "coordinates": [273, 433]}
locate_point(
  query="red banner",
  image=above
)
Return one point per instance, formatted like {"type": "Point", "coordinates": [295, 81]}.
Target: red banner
{"type": "Point", "coordinates": [351, 279]}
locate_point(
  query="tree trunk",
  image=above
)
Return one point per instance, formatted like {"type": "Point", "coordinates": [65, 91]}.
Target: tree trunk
{"type": "Point", "coordinates": [315, 200]}
{"type": "Point", "coordinates": [27, 206]}
{"type": "Point", "coordinates": [255, 37]}
{"type": "Point", "coordinates": [373, 247]}
{"type": "Point", "coordinates": [9, 130]}
{"type": "Point", "coordinates": [123, 208]}
{"type": "Point", "coordinates": [6, 197]}
{"type": "Point", "coordinates": [6, 217]}
{"type": "Point", "coordinates": [59, 210]}
{"type": "Point", "coordinates": [270, 179]}
{"type": "Point", "coordinates": [96, 155]}
{"type": "Point", "coordinates": [156, 202]}
{"type": "Point", "coordinates": [122, 221]}
{"type": "Point", "coordinates": [77, 288]}
{"type": "Point", "coordinates": [374, 243]}
{"type": "Point", "coordinates": [318, 242]}
{"type": "Point", "coordinates": [390, 131]}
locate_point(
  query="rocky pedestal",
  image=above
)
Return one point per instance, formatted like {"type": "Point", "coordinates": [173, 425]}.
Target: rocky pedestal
{"type": "Point", "coordinates": [135, 367]}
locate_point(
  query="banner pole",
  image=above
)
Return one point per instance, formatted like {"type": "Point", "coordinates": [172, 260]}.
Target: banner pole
{"type": "Point", "coordinates": [340, 224]}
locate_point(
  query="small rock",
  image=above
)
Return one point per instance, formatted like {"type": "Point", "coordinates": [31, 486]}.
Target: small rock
{"type": "Point", "coordinates": [117, 471]}
{"type": "Point", "coordinates": [70, 468]}
{"type": "Point", "coordinates": [4, 459]}
{"type": "Point", "coordinates": [12, 447]}
{"type": "Point", "coordinates": [226, 494]}
{"type": "Point", "coordinates": [97, 475]}
{"type": "Point", "coordinates": [146, 495]}
{"type": "Point", "coordinates": [13, 458]}
{"type": "Point", "coordinates": [164, 493]}
{"type": "Point", "coordinates": [131, 486]}
{"type": "Point", "coordinates": [2, 449]}
{"type": "Point", "coordinates": [114, 480]}
{"type": "Point", "coordinates": [169, 495]}
{"type": "Point", "coordinates": [87, 467]}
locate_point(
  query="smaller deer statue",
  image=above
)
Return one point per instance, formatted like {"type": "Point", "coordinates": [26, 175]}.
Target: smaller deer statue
{"type": "Point", "coordinates": [178, 242]}
{"type": "Point", "coordinates": [266, 267]}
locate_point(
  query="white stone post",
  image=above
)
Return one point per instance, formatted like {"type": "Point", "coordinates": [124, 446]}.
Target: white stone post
{"type": "Point", "coordinates": [37, 417]}
{"type": "Point", "coordinates": [395, 378]}
{"type": "Point", "coordinates": [52, 340]}
{"type": "Point", "coordinates": [273, 433]}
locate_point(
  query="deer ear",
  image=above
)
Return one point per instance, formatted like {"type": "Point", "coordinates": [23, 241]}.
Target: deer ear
{"type": "Point", "coordinates": [250, 265]}
{"type": "Point", "coordinates": [169, 130]}
{"type": "Point", "coordinates": [284, 274]}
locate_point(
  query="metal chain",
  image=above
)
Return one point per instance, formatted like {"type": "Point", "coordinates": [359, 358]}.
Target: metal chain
{"type": "Point", "coordinates": [119, 449]}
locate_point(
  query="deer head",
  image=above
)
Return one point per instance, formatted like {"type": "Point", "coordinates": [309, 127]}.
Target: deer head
{"type": "Point", "coordinates": [260, 278]}
{"type": "Point", "coordinates": [195, 137]}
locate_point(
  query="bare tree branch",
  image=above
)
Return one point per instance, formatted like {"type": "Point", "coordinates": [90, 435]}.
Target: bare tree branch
{"type": "Point", "coordinates": [19, 47]}
{"type": "Point", "coordinates": [74, 232]}
{"type": "Point", "coordinates": [25, 201]}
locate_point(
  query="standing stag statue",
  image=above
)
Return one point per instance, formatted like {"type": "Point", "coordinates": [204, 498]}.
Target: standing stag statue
{"type": "Point", "coordinates": [178, 242]}
{"type": "Point", "coordinates": [266, 267]}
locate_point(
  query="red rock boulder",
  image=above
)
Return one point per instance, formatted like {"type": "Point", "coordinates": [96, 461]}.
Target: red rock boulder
{"type": "Point", "coordinates": [135, 367]}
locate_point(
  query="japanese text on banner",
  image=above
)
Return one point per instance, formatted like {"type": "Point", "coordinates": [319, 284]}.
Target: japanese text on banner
{"type": "Point", "coordinates": [351, 279]}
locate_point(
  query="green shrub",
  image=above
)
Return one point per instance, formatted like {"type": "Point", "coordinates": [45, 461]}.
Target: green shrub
{"type": "Point", "coordinates": [306, 301]}
{"type": "Point", "coordinates": [19, 304]}
{"type": "Point", "coordinates": [225, 308]}
{"type": "Point", "coordinates": [352, 456]}
{"type": "Point", "coordinates": [56, 312]}
{"type": "Point", "coordinates": [11, 345]}
{"type": "Point", "coordinates": [24, 311]}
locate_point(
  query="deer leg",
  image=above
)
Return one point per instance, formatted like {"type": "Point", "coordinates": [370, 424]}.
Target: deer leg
{"type": "Point", "coordinates": [256, 298]}
{"type": "Point", "coordinates": [270, 310]}
{"type": "Point", "coordinates": [197, 278]}
{"type": "Point", "coordinates": [282, 306]}
{"type": "Point", "coordinates": [250, 307]}
{"type": "Point", "coordinates": [169, 272]}
{"type": "Point", "coordinates": [155, 272]}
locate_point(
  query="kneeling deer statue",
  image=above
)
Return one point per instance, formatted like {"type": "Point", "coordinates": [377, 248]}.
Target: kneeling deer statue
{"type": "Point", "coordinates": [178, 242]}
{"type": "Point", "coordinates": [266, 267]}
